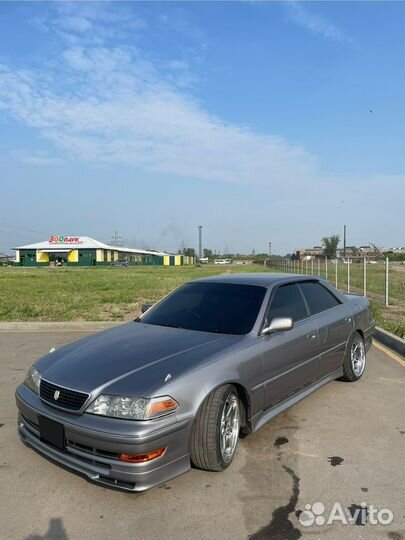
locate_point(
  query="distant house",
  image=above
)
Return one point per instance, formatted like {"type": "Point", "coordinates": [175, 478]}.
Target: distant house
{"type": "Point", "coordinates": [309, 253]}
{"type": "Point", "coordinates": [6, 259]}
{"type": "Point", "coordinates": [85, 251]}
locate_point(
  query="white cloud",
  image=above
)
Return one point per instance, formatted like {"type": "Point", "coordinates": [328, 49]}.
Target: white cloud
{"type": "Point", "coordinates": [112, 105]}
{"type": "Point", "coordinates": [314, 23]}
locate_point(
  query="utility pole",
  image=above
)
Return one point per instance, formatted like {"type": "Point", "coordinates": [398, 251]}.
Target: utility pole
{"type": "Point", "coordinates": [269, 249]}
{"type": "Point", "coordinates": [344, 241]}
{"type": "Point", "coordinates": [116, 240]}
{"type": "Point", "coordinates": [200, 252]}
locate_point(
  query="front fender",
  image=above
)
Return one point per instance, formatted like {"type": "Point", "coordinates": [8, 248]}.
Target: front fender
{"type": "Point", "coordinates": [243, 368]}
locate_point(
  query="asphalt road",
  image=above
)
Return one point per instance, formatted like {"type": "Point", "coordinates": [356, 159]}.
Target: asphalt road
{"type": "Point", "coordinates": [344, 444]}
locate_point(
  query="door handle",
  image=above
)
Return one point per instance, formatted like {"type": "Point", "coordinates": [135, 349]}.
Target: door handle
{"type": "Point", "coordinates": [311, 336]}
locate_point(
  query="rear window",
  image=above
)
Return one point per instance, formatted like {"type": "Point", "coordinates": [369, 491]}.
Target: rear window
{"type": "Point", "coordinates": [318, 297]}
{"type": "Point", "coordinates": [225, 308]}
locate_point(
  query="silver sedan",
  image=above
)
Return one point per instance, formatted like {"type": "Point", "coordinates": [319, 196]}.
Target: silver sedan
{"type": "Point", "coordinates": [137, 405]}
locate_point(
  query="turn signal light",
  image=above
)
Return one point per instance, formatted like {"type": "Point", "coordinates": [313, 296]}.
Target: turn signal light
{"type": "Point", "coordinates": [160, 406]}
{"type": "Point", "coordinates": [142, 458]}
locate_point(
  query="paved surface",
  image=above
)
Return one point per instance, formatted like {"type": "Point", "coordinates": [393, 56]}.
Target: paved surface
{"type": "Point", "coordinates": [342, 444]}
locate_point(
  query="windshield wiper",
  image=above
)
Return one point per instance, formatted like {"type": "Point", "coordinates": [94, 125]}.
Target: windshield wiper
{"type": "Point", "coordinates": [219, 331]}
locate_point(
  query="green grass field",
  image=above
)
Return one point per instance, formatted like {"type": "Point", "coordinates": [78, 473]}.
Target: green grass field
{"type": "Point", "coordinates": [375, 274]}
{"type": "Point", "coordinates": [93, 294]}
{"type": "Point", "coordinates": [107, 294]}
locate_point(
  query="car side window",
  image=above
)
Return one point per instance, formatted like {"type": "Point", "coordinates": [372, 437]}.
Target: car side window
{"type": "Point", "coordinates": [287, 302]}
{"type": "Point", "coordinates": [318, 297]}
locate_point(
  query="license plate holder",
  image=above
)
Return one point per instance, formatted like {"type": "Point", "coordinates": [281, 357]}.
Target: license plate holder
{"type": "Point", "coordinates": [51, 432]}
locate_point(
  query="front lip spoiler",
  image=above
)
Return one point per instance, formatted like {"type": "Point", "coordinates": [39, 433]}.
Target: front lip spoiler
{"type": "Point", "coordinates": [99, 474]}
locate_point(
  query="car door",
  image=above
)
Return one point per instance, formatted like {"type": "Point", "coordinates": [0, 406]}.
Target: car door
{"type": "Point", "coordinates": [291, 357]}
{"type": "Point", "coordinates": [333, 322]}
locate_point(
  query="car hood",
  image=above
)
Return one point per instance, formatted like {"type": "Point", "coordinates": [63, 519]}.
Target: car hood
{"type": "Point", "coordinates": [130, 358]}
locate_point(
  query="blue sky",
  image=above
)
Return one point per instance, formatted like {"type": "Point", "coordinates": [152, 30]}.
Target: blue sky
{"type": "Point", "coordinates": [261, 121]}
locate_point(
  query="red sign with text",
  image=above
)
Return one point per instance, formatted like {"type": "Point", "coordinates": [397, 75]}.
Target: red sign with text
{"type": "Point", "coordinates": [65, 240]}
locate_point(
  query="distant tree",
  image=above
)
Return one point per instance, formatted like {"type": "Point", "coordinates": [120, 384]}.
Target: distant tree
{"type": "Point", "coordinates": [330, 244]}
{"type": "Point", "coordinates": [396, 256]}
{"type": "Point", "coordinates": [189, 252]}
{"type": "Point", "coordinates": [261, 256]}
{"type": "Point", "coordinates": [208, 253]}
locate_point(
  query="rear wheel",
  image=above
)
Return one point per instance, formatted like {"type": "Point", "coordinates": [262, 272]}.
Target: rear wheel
{"type": "Point", "coordinates": [216, 430]}
{"type": "Point", "coordinates": [355, 359]}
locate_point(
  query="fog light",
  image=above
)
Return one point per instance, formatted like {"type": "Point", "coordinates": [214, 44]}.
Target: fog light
{"type": "Point", "coordinates": [142, 458]}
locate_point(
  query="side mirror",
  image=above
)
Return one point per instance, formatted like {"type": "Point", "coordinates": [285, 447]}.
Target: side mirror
{"type": "Point", "coordinates": [145, 307]}
{"type": "Point", "coordinates": [278, 324]}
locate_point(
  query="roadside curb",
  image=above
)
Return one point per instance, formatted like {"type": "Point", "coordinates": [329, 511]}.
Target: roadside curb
{"type": "Point", "coordinates": [391, 341]}
{"type": "Point", "coordinates": [72, 326]}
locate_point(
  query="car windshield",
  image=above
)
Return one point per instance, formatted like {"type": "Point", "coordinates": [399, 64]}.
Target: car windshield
{"type": "Point", "coordinates": [225, 308]}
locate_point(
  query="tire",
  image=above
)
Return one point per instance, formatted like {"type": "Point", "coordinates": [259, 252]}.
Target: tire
{"type": "Point", "coordinates": [354, 363]}
{"type": "Point", "coordinates": [213, 428]}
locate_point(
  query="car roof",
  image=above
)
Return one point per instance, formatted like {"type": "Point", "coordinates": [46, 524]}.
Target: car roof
{"type": "Point", "coordinates": [263, 279]}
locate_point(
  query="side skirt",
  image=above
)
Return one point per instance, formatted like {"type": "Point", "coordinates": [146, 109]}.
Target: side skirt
{"type": "Point", "coordinates": [263, 417]}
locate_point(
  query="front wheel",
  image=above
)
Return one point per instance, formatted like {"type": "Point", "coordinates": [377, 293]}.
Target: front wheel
{"type": "Point", "coordinates": [216, 430]}
{"type": "Point", "coordinates": [355, 359]}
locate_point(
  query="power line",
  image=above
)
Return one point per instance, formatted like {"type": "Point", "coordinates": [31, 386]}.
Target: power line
{"type": "Point", "coordinates": [8, 223]}
{"type": "Point", "coordinates": [116, 240]}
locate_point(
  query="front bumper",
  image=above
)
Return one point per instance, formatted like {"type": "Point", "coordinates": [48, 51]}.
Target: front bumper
{"type": "Point", "coordinates": [92, 444]}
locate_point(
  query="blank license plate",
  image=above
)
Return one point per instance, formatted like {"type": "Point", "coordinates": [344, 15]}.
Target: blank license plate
{"type": "Point", "coordinates": [51, 432]}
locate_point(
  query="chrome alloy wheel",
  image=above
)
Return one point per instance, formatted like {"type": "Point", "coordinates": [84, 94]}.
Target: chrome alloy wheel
{"type": "Point", "coordinates": [229, 428]}
{"type": "Point", "coordinates": [358, 356]}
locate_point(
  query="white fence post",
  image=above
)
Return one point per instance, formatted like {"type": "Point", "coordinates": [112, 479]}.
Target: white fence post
{"type": "Point", "coordinates": [386, 282]}
{"type": "Point", "coordinates": [348, 274]}
{"type": "Point", "coordinates": [312, 267]}
{"type": "Point", "coordinates": [336, 273]}
{"type": "Point", "coordinates": [319, 265]}
{"type": "Point", "coordinates": [365, 276]}
{"type": "Point", "coordinates": [326, 267]}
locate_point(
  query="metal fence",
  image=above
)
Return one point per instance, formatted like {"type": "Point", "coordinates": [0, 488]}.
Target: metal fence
{"type": "Point", "coordinates": [382, 280]}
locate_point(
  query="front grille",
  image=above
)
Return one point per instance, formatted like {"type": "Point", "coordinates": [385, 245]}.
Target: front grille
{"type": "Point", "coordinates": [68, 399]}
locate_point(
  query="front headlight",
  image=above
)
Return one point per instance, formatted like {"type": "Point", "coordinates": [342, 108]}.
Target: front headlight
{"type": "Point", "coordinates": [132, 408]}
{"type": "Point", "coordinates": [33, 379]}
